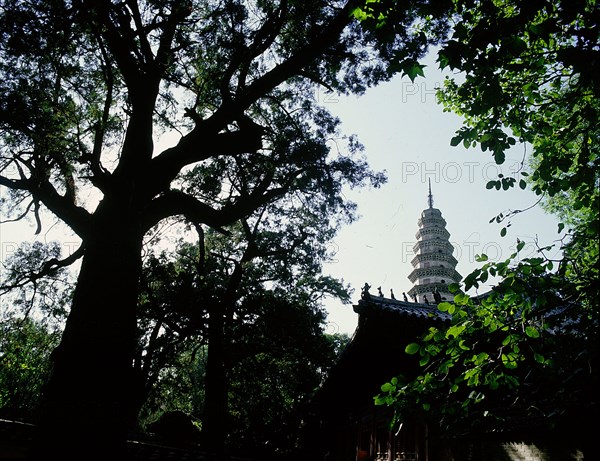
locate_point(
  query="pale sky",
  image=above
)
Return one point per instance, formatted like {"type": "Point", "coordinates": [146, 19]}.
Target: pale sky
{"type": "Point", "coordinates": [406, 133]}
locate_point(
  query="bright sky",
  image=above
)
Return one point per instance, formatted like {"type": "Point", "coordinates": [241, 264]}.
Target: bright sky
{"type": "Point", "coordinates": [406, 133]}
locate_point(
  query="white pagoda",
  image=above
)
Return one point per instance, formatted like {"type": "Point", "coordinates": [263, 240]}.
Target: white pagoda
{"type": "Point", "coordinates": [434, 266]}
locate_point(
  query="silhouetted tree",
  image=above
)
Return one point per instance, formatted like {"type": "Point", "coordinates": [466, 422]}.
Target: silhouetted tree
{"type": "Point", "coordinates": [87, 91]}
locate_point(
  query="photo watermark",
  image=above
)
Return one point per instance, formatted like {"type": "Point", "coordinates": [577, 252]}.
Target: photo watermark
{"type": "Point", "coordinates": [469, 249]}
{"type": "Point", "coordinates": [8, 249]}
{"type": "Point", "coordinates": [453, 172]}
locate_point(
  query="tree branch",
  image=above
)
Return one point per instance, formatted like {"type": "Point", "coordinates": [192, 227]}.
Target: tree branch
{"type": "Point", "coordinates": [298, 61]}
{"type": "Point", "coordinates": [62, 206]}
{"type": "Point", "coordinates": [76, 217]}
{"type": "Point", "coordinates": [119, 36]}
{"type": "Point", "coordinates": [176, 202]}
{"type": "Point", "coordinates": [202, 142]}
{"type": "Point", "coordinates": [48, 268]}
{"type": "Point", "coordinates": [195, 147]}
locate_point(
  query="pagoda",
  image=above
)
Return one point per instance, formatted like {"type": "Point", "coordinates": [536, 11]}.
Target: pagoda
{"type": "Point", "coordinates": [434, 266]}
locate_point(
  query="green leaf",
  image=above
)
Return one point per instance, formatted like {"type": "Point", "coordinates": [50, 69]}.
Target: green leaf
{"type": "Point", "coordinates": [503, 232]}
{"type": "Point", "coordinates": [509, 361]}
{"type": "Point", "coordinates": [454, 288]}
{"type": "Point", "coordinates": [515, 44]}
{"type": "Point", "coordinates": [412, 348]}
{"type": "Point", "coordinates": [359, 14]}
{"type": "Point", "coordinates": [380, 400]}
{"type": "Point", "coordinates": [444, 306]}
{"type": "Point", "coordinates": [461, 299]}
{"type": "Point", "coordinates": [481, 358]}
{"type": "Point", "coordinates": [388, 387]}
{"type": "Point", "coordinates": [455, 331]}
{"type": "Point", "coordinates": [412, 69]}
{"type": "Point", "coordinates": [532, 332]}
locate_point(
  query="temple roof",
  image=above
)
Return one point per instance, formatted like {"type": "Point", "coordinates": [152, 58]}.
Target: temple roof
{"type": "Point", "coordinates": [376, 352]}
{"type": "Point", "coordinates": [373, 304]}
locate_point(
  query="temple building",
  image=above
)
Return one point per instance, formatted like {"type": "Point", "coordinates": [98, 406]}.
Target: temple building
{"type": "Point", "coordinates": [345, 424]}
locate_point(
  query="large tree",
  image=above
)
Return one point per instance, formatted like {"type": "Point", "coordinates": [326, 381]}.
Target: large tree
{"type": "Point", "coordinates": [88, 88]}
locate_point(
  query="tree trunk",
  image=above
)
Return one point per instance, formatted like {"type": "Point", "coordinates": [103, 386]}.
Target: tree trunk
{"type": "Point", "coordinates": [215, 390]}
{"type": "Point", "coordinates": [86, 409]}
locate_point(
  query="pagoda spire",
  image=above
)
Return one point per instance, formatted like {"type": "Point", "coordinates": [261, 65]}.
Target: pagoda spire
{"type": "Point", "coordinates": [430, 197]}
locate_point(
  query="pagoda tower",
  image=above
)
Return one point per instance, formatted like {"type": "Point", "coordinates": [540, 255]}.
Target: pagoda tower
{"type": "Point", "coordinates": [434, 267]}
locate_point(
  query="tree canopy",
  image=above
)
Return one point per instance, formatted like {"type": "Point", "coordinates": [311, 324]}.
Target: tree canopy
{"type": "Point", "coordinates": [218, 293]}
{"type": "Point", "coordinates": [274, 349]}
{"type": "Point", "coordinates": [24, 365]}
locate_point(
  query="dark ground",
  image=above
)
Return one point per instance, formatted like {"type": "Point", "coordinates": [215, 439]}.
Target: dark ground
{"type": "Point", "coordinates": [15, 439]}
